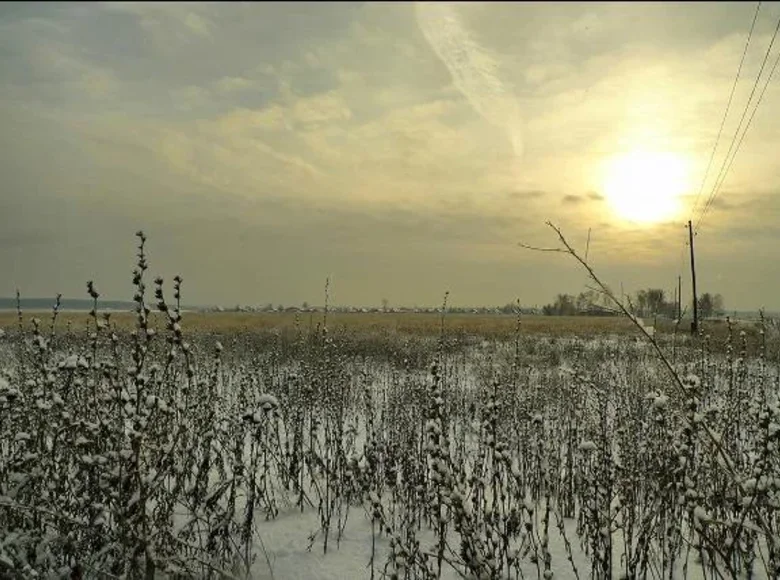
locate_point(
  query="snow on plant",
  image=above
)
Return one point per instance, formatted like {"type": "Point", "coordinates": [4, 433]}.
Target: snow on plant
{"type": "Point", "coordinates": [159, 453]}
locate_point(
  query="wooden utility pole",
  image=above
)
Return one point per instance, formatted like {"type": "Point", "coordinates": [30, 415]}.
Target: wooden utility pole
{"type": "Point", "coordinates": [679, 297]}
{"type": "Point", "coordinates": [695, 323]}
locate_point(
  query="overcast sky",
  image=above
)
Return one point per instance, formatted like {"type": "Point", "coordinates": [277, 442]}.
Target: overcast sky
{"type": "Point", "coordinates": [401, 149]}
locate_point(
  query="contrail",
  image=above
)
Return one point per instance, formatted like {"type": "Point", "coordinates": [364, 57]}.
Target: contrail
{"type": "Point", "coordinates": [474, 72]}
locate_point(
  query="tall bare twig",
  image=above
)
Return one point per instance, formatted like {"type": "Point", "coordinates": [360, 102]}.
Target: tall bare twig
{"type": "Point", "coordinates": [728, 463]}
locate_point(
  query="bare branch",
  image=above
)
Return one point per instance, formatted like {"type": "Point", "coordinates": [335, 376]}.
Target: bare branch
{"type": "Point", "coordinates": [537, 249]}
{"type": "Point", "coordinates": [727, 461]}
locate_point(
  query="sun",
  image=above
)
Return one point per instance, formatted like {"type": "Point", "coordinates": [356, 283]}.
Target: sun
{"type": "Point", "coordinates": [646, 187]}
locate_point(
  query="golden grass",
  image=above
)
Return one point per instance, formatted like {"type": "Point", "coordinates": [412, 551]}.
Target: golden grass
{"type": "Point", "coordinates": [486, 325]}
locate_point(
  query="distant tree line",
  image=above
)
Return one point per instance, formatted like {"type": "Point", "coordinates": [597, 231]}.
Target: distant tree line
{"type": "Point", "coordinates": [588, 303]}
{"type": "Point", "coordinates": [711, 305]}
{"type": "Point", "coordinates": [644, 303]}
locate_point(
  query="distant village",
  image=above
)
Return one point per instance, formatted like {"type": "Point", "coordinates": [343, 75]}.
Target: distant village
{"type": "Point", "coordinates": [651, 302]}
{"type": "Point", "coordinates": [508, 309]}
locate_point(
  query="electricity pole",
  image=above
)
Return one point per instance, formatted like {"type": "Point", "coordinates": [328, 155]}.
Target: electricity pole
{"type": "Point", "coordinates": [679, 297]}
{"type": "Point", "coordinates": [695, 323]}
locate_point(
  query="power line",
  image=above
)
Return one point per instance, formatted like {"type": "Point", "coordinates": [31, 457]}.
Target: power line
{"type": "Point", "coordinates": [726, 162]}
{"type": "Point", "coordinates": [723, 171]}
{"type": "Point", "coordinates": [750, 121]}
{"type": "Point", "coordinates": [736, 132]}
{"type": "Point", "coordinates": [717, 139]}
{"type": "Point", "coordinates": [728, 106]}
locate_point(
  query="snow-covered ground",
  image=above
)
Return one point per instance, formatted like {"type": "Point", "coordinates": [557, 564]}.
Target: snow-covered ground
{"type": "Point", "coordinates": [599, 425]}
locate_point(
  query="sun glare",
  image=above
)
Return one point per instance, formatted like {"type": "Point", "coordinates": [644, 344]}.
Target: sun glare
{"type": "Point", "coordinates": [645, 187]}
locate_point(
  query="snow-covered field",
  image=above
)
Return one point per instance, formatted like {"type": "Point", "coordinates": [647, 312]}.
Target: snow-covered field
{"type": "Point", "coordinates": [312, 454]}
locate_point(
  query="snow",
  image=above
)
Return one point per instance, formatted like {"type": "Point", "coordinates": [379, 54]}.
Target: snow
{"type": "Point", "coordinates": [660, 402]}
{"type": "Point", "coordinates": [285, 543]}
{"type": "Point", "coordinates": [268, 402]}
{"type": "Point", "coordinates": [282, 544]}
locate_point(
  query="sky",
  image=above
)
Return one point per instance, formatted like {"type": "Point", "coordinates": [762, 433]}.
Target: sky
{"type": "Point", "coordinates": [400, 149]}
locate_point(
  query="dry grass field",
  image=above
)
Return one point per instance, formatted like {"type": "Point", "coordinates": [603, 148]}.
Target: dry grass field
{"type": "Point", "coordinates": [495, 326]}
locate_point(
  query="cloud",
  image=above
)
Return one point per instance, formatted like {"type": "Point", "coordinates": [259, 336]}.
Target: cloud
{"type": "Point", "coordinates": [720, 203]}
{"type": "Point", "coordinates": [322, 108]}
{"type": "Point", "coordinates": [577, 199]}
{"type": "Point", "coordinates": [281, 131]}
{"type": "Point", "coordinates": [168, 22]}
{"type": "Point", "coordinates": [474, 71]}
{"type": "Point", "coordinates": [272, 118]}
{"type": "Point", "coordinates": [527, 194]}
{"type": "Point", "coordinates": [190, 98]}
{"type": "Point", "coordinates": [233, 84]}
{"type": "Point", "coordinates": [198, 25]}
